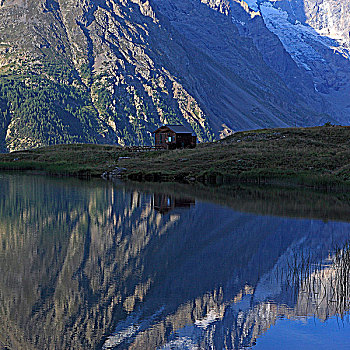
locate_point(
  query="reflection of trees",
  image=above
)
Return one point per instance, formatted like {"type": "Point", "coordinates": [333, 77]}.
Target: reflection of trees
{"type": "Point", "coordinates": [70, 256]}
{"type": "Point", "coordinates": [81, 260]}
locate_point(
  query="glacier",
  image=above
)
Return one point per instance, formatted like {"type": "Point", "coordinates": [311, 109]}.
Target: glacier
{"type": "Point", "coordinates": [316, 36]}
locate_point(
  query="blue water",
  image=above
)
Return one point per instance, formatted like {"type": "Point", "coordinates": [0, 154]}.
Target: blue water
{"type": "Point", "coordinates": [101, 265]}
{"type": "Point", "coordinates": [310, 333]}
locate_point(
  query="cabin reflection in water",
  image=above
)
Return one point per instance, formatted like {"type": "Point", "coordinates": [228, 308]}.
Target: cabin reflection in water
{"type": "Point", "coordinates": [164, 203]}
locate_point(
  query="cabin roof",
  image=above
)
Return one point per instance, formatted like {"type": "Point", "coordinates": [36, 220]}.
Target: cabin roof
{"type": "Point", "coordinates": [178, 129]}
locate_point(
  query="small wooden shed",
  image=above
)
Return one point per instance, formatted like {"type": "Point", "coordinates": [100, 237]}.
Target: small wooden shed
{"type": "Point", "coordinates": [174, 136]}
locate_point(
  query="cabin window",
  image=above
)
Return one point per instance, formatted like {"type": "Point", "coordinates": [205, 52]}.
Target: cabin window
{"type": "Point", "coordinates": [169, 138]}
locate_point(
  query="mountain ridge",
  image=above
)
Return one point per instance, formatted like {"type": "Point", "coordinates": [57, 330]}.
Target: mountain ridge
{"type": "Point", "coordinates": [315, 35]}
{"type": "Point", "coordinates": [110, 71]}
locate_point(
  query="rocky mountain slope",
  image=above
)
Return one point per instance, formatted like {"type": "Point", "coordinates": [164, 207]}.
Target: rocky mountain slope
{"type": "Point", "coordinates": [110, 71]}
{"type": "Point", "coordinates": [315, 36]}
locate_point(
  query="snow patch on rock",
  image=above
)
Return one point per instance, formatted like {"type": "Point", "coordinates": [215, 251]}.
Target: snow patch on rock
{"type": "Point", "coordinates": [300, 40]}
{"type": "Point", "coordinates": [296, 38]}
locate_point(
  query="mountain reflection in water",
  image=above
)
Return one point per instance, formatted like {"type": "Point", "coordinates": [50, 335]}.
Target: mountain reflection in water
{"type": "Point", "coordinates": [91, 265]}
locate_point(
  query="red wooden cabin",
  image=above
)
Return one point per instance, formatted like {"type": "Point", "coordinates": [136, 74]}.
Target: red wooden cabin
{"type": "Point", "coordinates": [174, 136]}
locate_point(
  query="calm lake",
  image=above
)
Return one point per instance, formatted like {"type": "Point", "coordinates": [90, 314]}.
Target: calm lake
{"type": "Point", "coordinates": [102, 265]}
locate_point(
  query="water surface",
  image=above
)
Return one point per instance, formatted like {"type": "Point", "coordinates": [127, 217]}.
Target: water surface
{"type": "Point", "coordinates": [97, 265]}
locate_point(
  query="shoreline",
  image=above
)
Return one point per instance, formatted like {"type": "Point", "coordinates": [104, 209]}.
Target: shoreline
{"type": "Point", "coordinates": [317, 158]}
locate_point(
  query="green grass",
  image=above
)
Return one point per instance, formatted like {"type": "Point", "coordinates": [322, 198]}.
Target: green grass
{"type": "Point", "coordinates": [70, 160]}
{"type": "Point", "coordinates": [316, 157]}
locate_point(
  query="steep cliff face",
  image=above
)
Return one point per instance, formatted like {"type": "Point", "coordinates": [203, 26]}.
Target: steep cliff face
{"type": "Point", "coordinates": [110, 71]}
{"type": "Point", "coordinates": [91, 71]}
{"type": "Point", "coordinates": [251, 24]}
{"type": "Point", "coordinates": [328, 17]}
{"type": "Point", "coordinates": [260, 94]}
{"type": "Point", "coordinates": [315, 35]}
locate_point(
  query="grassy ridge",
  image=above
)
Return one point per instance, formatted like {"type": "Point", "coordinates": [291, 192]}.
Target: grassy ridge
{"type": "Point", "coordinates": [318, 157]}
{"type": "Point", "coordinates": [70, 160]}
